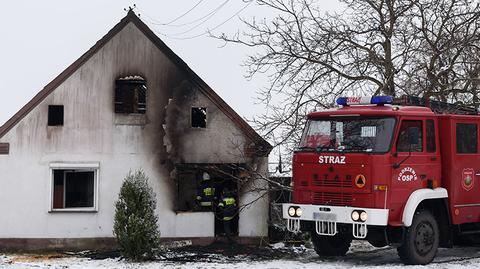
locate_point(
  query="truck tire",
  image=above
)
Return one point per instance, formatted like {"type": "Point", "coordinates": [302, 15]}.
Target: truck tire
{"type": "Point", "coordinates": [330, 246]}
{"type": "Point", "coordinates": [421, 240]}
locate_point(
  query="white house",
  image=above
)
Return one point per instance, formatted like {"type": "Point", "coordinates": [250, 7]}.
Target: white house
{"type": "Point", "coordinates": [128, 103]}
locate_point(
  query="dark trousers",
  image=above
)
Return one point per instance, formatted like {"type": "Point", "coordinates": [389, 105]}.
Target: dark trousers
{"type": "Point", "coordinates": [227, 227]}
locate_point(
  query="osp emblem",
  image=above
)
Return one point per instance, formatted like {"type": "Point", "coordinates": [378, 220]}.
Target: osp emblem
{"type": "Point", "coordinates": [468, 181]}
{"type": "Point", "coordinates": [407, 174]}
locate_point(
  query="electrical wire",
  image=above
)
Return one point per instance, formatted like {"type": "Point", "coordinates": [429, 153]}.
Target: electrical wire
{"type": "Point", "coordinates": [207, 17]}
{"type": "Point", "coordinates": [214, 28]}
{"type": "Point", "coordinates": [184, 14]}
{"type": "Point", "coordinates": [196, 20]}
{"type": "Point", "coordinates": [202, 22]}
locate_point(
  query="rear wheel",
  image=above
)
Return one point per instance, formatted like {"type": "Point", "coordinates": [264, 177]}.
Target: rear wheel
{"type": "Point", "coordinates": [336, 245]}
{"type": "Point", "coordinates": [421, 240]}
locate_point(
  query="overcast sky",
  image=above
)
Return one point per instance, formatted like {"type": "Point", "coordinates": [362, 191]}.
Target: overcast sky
{"type": "Point", "coordinates": [42, 38]}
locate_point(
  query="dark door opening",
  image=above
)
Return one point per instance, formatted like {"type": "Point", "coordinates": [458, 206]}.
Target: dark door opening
{"type": "Point", "coordinates": [226, 185]}
{"type": "Point", "coordinates": [223, 179]}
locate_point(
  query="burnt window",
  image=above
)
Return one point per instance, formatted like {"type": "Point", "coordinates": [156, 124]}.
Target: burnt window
{"type": "Point", "coordinates": [187, 188]}
{"type": "Point", "coordinates": [4, 148]}
{"type": "Point", "coordinates": [192, 184]}
{"type": "Point", "coordinates": [131, 95]}
{"type": "Point", "coordinates": [199, 117]}
{"type": "Point", "coordinates": [410, 138]}
{"type": "Point", "coordinates": [73, 189]}
{"type": "Point", "coordinates": [431, 146]}
{"type": "Point", "coordinates": [466, 138]}
{"type": "Point", "coordinates": [55, 115]}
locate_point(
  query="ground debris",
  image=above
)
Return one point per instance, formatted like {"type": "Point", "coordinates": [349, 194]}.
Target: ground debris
{"type": "Point", "coordinates": [227, 256]}
{"type": "Point", "coordinates": [96, 255]}
{"type": "Point", "coordinates": [218, 252]}
{"type": "Point", "coordinates": [230, 252]}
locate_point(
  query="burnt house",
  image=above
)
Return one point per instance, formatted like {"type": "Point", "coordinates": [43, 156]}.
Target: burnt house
{"type": "Point", "coordinates": [129, 102]}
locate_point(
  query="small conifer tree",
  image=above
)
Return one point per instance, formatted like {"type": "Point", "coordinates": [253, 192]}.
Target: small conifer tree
{"type": "Point", "coordinates": [135, 226]}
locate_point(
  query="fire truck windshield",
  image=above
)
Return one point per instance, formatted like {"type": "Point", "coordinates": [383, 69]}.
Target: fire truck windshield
{"type": "Point", "coordinates": [348, 135]}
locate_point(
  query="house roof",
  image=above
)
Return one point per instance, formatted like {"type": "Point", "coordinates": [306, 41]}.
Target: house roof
{"type": "Point", "coordinates": [265, 147]}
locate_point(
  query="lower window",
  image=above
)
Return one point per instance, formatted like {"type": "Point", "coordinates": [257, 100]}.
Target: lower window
{"type": "Point", "coordinates": [74, 189]}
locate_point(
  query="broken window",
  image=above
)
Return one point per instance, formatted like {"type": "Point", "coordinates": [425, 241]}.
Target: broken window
{"type": "Point", "coordinates": [73, 189]}
{"type": "Point", "coordinates": [187, 187]}
{"type": "Point", "coordinates": [131, 95]}
{"type": "Point", "coordinates": [4, 148]}
{"type": "Point", "coordinates": [199, 117]}
{"type": "Point", "coordinates": [55, 115]}
{"type": "Point", "coordinates": [191, 183]}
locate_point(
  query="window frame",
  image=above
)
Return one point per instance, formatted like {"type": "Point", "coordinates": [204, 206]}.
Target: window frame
{"type": "Point", "coordinates": [456, 123]}
{"type": "Point", "coordinates": [398, 133]}
{"type": "Point", "coordinates": [122, 85]}
{"type": "Point", "coordinates": [390, 142]}
{"type": "Point", "coordinates": [84, 167]}
{"type": "Point", "coordinates": [434, 133]}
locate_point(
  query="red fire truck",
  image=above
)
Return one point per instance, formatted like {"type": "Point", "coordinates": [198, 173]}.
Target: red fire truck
{"type": "Point", "coordinates": [400, 175]}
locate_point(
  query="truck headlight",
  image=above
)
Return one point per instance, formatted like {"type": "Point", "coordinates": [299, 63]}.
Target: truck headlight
{"type": "Point", "coordinates": [363, 216]}
{"type": "Point", "coordinates": [355, 216]}
{"type": "Point", "coordinates": [299, 212]}
{"type": "Point", "coordinates": [291, 211]}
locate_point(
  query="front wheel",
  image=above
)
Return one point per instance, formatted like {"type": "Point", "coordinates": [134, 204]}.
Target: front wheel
{"type": "Point", "coordinates": [336, 245]}
{"type": "Point", "coordinates": [421, 240]}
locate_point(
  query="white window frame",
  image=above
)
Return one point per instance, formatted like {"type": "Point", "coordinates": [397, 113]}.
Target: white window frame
{"type": "Point", "coordinates": [87, 167]}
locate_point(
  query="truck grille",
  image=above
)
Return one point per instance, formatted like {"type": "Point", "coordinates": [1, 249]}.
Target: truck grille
{"type": "Point", "coordinates": [337, 181]}
{"type": "Point", "coordinates": [334, 199]}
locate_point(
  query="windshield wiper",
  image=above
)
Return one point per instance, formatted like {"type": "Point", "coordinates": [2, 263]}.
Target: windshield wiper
{"type": "Point", "coordinates": [324, 148]}
{"type": "Point", "coordinates": [354, 146]}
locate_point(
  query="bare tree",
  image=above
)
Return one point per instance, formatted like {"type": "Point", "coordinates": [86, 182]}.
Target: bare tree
{"type": "Point", "coordinates": [445, 64]}
{"type": "Point", "coordinates": [312, 57]}
{"type": "Point", "coordinates": [389, 47]}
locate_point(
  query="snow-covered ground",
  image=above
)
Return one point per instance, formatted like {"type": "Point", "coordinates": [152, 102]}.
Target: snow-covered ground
{"type": "Point", "coordinates": [363, 256]}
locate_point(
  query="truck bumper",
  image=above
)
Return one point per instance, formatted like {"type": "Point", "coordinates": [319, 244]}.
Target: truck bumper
{"type": "Point", "coordinates": [326, 218]}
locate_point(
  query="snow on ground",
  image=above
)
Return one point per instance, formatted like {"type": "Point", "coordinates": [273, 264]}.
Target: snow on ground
{"type": "Point", "coordinates": [363, 256]}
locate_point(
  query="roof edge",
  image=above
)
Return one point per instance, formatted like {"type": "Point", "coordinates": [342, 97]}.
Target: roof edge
{"type": "Point", "coordinates": [57, 81]}
{"type": "Point", "coordinates": [131, 17]}
{"type": "Point", "coordinates": [203, 86]}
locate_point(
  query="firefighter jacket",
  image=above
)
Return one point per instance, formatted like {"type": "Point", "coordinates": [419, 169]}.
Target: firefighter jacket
{"type": "Point", "coordinates": [206, 193]}
{"type": "Point", "coordinates": [229, 207]}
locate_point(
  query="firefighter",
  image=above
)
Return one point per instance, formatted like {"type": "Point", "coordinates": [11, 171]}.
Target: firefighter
{"type": "Point", "coordinates": [206, 192]}
{"type": "Point", "coordinates": [228, 206]}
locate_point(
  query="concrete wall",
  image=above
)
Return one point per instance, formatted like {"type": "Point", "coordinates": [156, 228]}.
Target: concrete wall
{"type": "Point", "coordinates": [93, 133]}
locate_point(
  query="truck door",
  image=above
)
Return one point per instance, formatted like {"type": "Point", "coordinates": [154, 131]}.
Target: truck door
{"type": "Point", "coordinates": [465, 173]}
{"type": "Point", "coordinates": [416, 158]}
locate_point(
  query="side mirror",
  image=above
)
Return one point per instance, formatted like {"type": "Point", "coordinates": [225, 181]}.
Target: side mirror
{"type": "Point", "coordinates": [413, 135]}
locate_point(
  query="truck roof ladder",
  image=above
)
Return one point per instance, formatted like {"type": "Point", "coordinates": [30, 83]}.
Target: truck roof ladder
{"type": "Point", "coordinates": [438, 107]}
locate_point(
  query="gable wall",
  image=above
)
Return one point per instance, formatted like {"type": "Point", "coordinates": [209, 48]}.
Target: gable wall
{"type": "Point", "coordinates": [90, 134]}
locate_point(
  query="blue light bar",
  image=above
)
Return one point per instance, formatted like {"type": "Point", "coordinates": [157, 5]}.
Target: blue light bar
{"type": "Point", "coordinates": [342, 101]}
{"type": "Point", "coordinates": [382, 100]}
{"type": "Point", "coordinates": [374, 100]}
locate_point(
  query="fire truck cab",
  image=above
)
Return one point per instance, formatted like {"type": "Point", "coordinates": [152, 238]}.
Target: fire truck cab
{"type": "Point", "coordinates": [398, 175]}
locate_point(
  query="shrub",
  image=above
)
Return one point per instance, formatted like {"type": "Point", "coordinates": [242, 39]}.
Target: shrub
{"type": "Point", "coordinates": [135, 226]}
